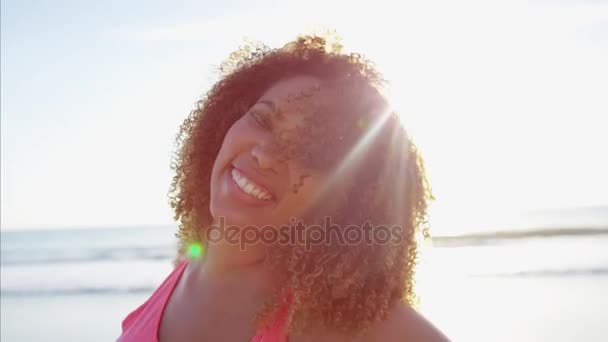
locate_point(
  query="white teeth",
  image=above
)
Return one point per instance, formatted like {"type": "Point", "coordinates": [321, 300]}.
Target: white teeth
{"type": "Point", "coordinates": [249, 187]}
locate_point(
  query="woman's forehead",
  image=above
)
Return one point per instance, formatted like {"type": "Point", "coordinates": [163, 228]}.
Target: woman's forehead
{"type": "Point", "coordinates": [316, 122]}
{"type": "Point", "coordinates": [291, 87]}
{"type": "Point", "coordinates": [293, 100]}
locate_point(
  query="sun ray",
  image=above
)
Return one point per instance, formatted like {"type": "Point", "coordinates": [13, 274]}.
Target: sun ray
{"type": "Point", "coordinates": [358, 148]}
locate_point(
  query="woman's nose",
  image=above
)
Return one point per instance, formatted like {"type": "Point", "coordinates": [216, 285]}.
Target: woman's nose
{"type": "Point", "coordinates": [266, 157]}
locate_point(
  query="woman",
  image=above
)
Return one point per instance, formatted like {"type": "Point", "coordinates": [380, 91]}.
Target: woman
{"type": "Point", "coordinates": [305, 194]}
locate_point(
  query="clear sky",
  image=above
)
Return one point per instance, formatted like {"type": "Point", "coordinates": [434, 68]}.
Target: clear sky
{"type": "Point", "coordinates": [506, 99]}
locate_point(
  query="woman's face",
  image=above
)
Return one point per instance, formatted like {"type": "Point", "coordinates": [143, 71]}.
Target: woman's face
{"type": "Point", "coordinates": [254, 181]}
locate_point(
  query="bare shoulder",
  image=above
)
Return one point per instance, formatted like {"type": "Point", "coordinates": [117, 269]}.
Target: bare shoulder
{"type": "Point", "coordinates": [404, 324]}
{"type": "Point", "coordinates": [182, 257]}
{"type": "Point", "coordinates": [179, 258]}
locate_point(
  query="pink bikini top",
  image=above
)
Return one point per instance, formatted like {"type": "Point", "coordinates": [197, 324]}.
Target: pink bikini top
{"type": "Point", "coordinates": [142, 325]}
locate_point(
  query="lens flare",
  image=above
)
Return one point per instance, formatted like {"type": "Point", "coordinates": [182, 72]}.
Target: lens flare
{"type": "Point", "coordinates": [195, 250]}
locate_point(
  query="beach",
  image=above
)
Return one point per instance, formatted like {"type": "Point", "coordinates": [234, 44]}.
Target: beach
{"type": "Point", "coordinates": [91, 317]}
{"type": "Point", "coordinates": [78, 285]}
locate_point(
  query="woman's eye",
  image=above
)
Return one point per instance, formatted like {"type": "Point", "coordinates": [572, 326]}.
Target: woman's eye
{"type": "Point", "coordinates": [261, 120]}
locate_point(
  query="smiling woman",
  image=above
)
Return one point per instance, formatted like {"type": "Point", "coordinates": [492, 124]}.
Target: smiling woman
{"type": "Point", "coordinates": [306, 193]}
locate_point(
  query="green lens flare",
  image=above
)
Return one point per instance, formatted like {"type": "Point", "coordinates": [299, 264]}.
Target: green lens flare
{"type": "Point", "coordinates": [195, 250]}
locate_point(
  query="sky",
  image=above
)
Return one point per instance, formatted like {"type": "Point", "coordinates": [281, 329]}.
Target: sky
{"type": "Point", "coordinates": [505, 99]}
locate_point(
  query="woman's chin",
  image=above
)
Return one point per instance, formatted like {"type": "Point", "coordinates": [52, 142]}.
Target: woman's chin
{"type": "Point", "coordinates": [226, 219]}
{"type": "Point", "coordinates": [229, 211]}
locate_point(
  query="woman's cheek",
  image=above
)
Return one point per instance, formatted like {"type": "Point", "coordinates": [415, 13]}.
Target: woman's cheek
{"type": "Point", "coordinates": [238, 134]}
{"type": "Point", "coordinates": [231, 143]}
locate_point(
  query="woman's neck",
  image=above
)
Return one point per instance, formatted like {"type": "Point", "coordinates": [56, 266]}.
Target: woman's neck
{"type": "Point", "coordinates": [227, 268]}
{"type": "Point", "coordinates": [222, 258]}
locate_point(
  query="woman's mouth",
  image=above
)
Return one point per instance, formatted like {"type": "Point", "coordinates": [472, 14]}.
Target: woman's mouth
{"type": "Point", "coordinates": [249, 187]}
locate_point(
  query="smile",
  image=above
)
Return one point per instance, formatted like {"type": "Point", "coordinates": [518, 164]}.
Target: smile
{"type": "Point", "coordinates": [249, 187]}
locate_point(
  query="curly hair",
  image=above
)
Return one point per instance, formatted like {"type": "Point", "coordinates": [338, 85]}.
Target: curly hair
{"type": "Point", "coordinates": [340, 287]}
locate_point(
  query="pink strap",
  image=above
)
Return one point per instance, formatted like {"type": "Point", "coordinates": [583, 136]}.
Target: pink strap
{"type": "Point", "coordinates": [274, 333]}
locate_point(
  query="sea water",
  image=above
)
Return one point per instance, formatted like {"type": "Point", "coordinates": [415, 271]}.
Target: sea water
{"type": "Point", "coordinates": [78, 284]}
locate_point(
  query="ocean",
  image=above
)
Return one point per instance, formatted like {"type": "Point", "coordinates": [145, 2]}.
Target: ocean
{"type": "Point", "coordinates": [78, 284]}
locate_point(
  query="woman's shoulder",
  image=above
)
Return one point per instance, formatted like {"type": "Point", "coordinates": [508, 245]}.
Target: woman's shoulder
{"type": "Point", "coordinates": [151, 310]}
{"type": "Point", "coordinates": [404, 324]}
{"type": "Point", "coordinates": [180, 259]}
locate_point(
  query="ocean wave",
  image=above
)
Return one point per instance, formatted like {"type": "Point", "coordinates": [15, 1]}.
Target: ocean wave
{"type": "Point", "coordinates": [42, 292]}
{"type": "Point", "coordinates": [147, 287]}
{"type": "Point", "coordinates": [500, 237]}
{"type": "Point", "coordinates": [80, 256]}
{"type": "Point", "coordinates": [570, 272]}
